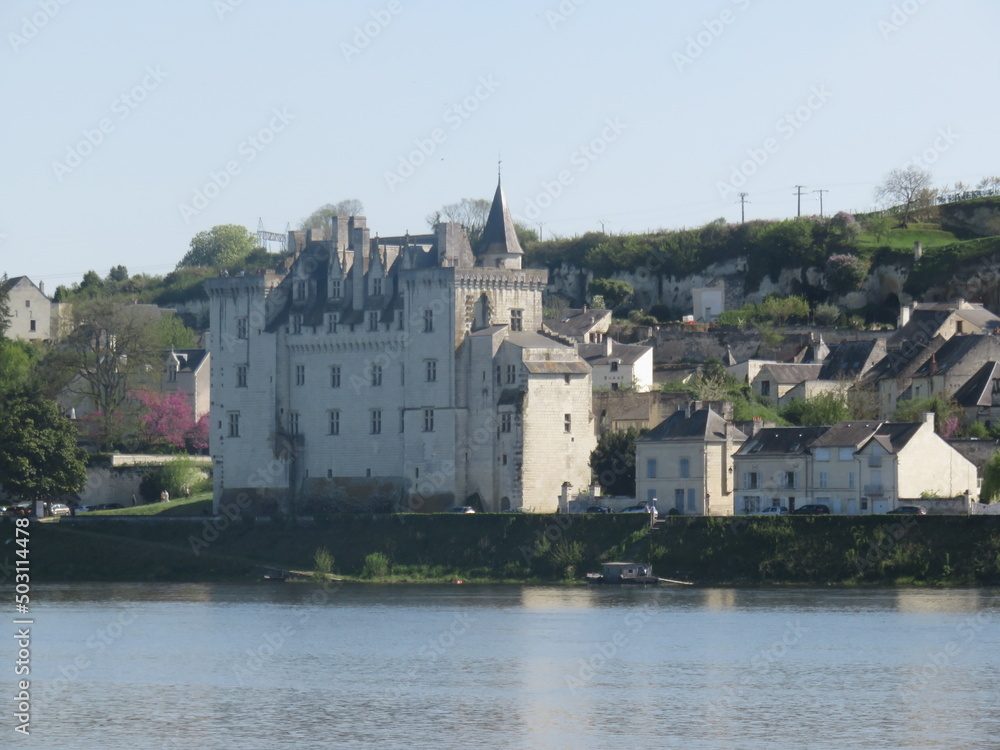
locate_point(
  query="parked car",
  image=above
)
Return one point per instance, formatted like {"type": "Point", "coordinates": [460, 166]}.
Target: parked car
{"type": "Point", "coordinates": [20, 510]}
{"type": "Point", "coordinates": [462, 509]}
{"type": "Point", "coordinates": [817, 509]}
{"type": "Point", "coordinates": [100, 506]}
{"type": "Point", "coordinates": [772, 511]}
{"type": "Point", "coordinates": [642, 508]}
{"type": "Point", "coordinates": [907, 510]}
{"type": "Point", "coordinates": [598, 509]}
{"type": "Point", "coordinates": [59, 509]}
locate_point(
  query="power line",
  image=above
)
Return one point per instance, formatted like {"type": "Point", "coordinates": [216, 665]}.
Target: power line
{"type": "Point", "coordinates": [743, 202]}
{"type": "Point", "coordinates": [798, 192]}
{"type": "Point", "coordinates": [821, 191]}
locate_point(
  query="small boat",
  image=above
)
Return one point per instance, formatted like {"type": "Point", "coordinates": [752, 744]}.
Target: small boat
{"type": "Point", "coordinates": [624, 573]}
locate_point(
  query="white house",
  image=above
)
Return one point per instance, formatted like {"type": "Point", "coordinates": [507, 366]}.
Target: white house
{"type": "Point", "coordinates": [33, 316]}
{"type": "Point", "coordinates": [619, 366]}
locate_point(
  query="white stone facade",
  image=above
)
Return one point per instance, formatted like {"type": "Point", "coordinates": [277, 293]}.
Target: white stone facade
{"type": "Point", "coordinates": [417, 384]}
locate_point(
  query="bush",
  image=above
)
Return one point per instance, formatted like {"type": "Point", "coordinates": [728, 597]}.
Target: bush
{"type": "Point", "coordinates": [376, 566]}
{"type": "Point", "coordinates": [322, 563]}
{"type": "Point", "coordinates": [845, 273]}
{"type": "Point", "coordinates": [826, 314]}
{"type": "Point", "coordinates": [175, 477]}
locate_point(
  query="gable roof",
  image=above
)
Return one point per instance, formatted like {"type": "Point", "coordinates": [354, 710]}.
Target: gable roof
{"type": "Point", "coordinates": [626, 354]}
{"type": "Point", "coordinates": [577, 323]}
{"type": "Point", "coordinates": [704, 424]}
{"type": "Point", "coordinates": [189, 360]}
{"type": "Point", "coordinates": [847, 434]}
{"type": "Point", "coordinates": [978, 390]}
{"type": "Point", "coordinates": [848, 359]}
{"type": "Point", "coordinates": [499, 234]}
{"type": "Point", "coordinates": [792, 373]}
{"type": "Point", "coordinates": [893, 436]}
{"type": "Point", "coordinates": [954, 351]}
{"type": "Point", "coordinates": [781, 441]}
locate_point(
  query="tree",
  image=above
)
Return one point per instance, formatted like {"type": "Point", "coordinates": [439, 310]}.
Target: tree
{"type": "Point", "coordinates": [845, 273]}
{"type": "Point", "coordinates": [471, 213]}
{"type": "Point", "coordinates": [822, 409]}
{"type": "Point", "coordinates": [4, 306]}
{"type": "Point", "coordinates": [18, 360]}
{"type": "Point", "coordinates": [613, 462]}
{"type": "Point", "coordinates": [320, 218]}
{"type": "Point", "coordinates": [614, 291]}
{"type": "Point", "coordinates": [173, 334]}
{"type": "Point", "coordinates": [221, 246]}
{"type": "Point", "coordinates": [165, 419]}
{"type": "Point", "coordinates": [118, 274]}
{"type": "Point", "coordinates": [909, 187]}
{"type": "Point", "coordinates": [39, 456]}
{"type": "Point", "coordinates": [989, 492]}
{"type": "Point", "coordinates": [112, 349]}
{"type": "Point", "coordinates": [947, 414]}
{"type": "Point", "coordinates": [878, 226]}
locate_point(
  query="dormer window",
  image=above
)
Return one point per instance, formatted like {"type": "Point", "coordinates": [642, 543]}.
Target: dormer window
{"type": "Point", "coordinates": [373, 321]}
{"type": "Point", "coordinates": [300, 290]}
{"type": "Point", "coordinates": [377, 287]}
{"type": "Point", "coordinates": [172, 372]}
{"type": "Point", "coordinates": [335, 289]}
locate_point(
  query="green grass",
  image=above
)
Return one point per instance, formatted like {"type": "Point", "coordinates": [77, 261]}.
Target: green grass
{"type": "Point", "coordinates": [939, 263]}
{"type": "Point", "coordinates": [930, 235]}
{"type": "Point", "coordinates": [196, 505]}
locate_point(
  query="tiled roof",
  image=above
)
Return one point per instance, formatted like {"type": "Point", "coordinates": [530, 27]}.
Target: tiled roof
{"type": "Point", "coordinates": [704, 424]}
{"type": "Point", "coordinates": [781, 441]}
{"type": "Point", "coordinates": [978, 390]}
{"type": "Point", "coordinates": [627, 354]}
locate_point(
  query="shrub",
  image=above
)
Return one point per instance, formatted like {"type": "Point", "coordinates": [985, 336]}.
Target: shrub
{"type": "Point", "coordinates": [322, 563]}
{"type": "Point", "coordinates": [826, 314]}
{"type": "Point", "coordinates": [845, 273]}
{"type": "Point", "coordinates": [376, 566]}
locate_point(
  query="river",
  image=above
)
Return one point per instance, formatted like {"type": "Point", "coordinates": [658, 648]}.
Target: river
{"type": "Point", "coordinates": [383, 666]}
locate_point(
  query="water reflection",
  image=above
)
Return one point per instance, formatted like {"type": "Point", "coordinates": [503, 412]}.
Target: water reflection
{"type": "Point", "coordinates": [220, 666]}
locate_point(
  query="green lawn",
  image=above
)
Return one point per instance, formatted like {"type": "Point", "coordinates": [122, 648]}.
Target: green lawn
{"type": "Point", "coordinates": [931, 235]}
{"type": "Point", "coordinates": [196, 505]}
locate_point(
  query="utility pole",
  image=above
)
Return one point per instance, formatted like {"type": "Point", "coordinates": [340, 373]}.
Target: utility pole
{"type": "Point", "coordinates": [821, 191]}
{"type": "Point", "coordinates": [743, 203]}
{"type": "Point", "coordinates": [540, 225]}
{"type": "Point", "coordinates": [798, 192]}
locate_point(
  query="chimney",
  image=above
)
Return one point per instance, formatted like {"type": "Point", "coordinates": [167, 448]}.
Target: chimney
{"type": "Point", "coordinates": [584, 312]}
{"type": "Point", "coordinates": [918, 250]}
{"type": "Point", "coordinates": [929, 419]}
{"type": "Point", "coordinates": [933, 365]}
{"type": "Point", "coordinates": [608, 346]}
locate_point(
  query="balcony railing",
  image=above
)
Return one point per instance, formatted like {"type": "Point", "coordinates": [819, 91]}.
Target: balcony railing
{"type": "Point", "coordinates": [873, 489]}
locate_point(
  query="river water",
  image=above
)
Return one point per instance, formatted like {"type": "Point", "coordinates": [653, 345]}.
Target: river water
{"type": "Point", "coordinates": [365, 666]}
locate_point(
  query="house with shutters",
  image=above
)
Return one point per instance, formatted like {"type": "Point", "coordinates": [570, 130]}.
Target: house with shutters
{"type": "Point", "coordinates": [395, 373]}
{"type": "Point", "coordinates": [856, 467]}
{"type": "Point", "coordinates": [685, 463]}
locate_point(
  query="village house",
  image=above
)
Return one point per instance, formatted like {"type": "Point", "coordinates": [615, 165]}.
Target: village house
{"type": "Point", "coordinates": [33, 316]}
{"type": "Point", "coordinates": [772, 469]}
{"type": "Point", "coordinates": [951, 366]}
{"type": "Point", "coordinates": [979, 396]}
{"type": "Point", "coordinates": [396, 373]}
{"type": "Point", "coordinates": [685, 463]}
{"type": "Point", "coordinates": [617, 366]}
{"type": "Point", "coordinates": [854, 467]}
{"type": "Point", "coordinates": [187, 372]}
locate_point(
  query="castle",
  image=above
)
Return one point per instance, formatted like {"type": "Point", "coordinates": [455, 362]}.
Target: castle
{"type": "Point", "coordinates": [395, 374]}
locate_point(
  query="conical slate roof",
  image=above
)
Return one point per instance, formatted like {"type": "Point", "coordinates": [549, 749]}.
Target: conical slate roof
{"type": "Point", "coordinates": [499, 235]}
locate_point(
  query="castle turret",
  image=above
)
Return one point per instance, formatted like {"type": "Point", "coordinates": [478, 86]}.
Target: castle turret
{"type": "Point", "coordinates": [499, 247]}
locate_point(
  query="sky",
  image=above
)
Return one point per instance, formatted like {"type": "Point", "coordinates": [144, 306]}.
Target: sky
{"type": "Point", "coordinates": [131, 127]}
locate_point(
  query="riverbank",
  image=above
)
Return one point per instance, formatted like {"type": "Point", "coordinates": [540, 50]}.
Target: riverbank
{"type": "Point", "coordinates": [873, 550]}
